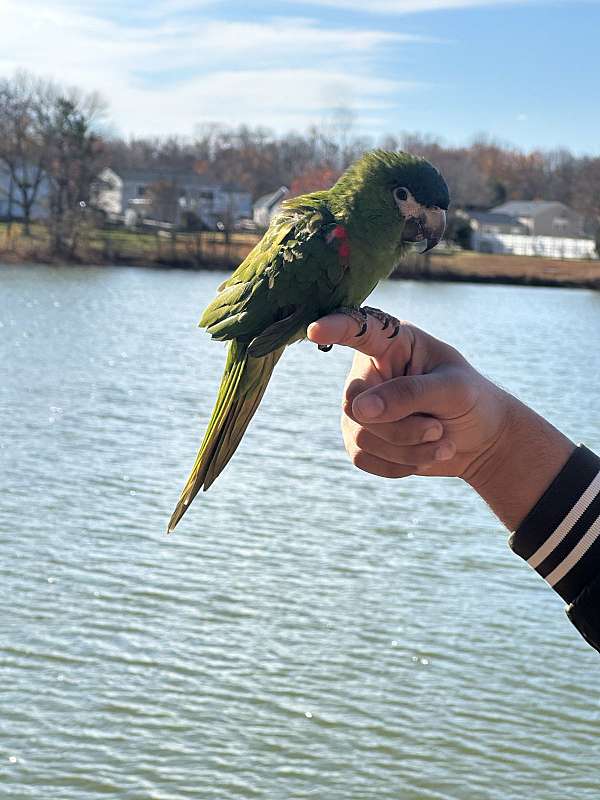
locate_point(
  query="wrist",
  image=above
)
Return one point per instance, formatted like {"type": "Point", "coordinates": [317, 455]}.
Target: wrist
{"type": "Point", "coordinates": [514, 471]}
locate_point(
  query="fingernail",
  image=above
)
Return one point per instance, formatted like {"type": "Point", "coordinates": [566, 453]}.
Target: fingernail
{"type": "Point", "coordinates": [368, 407]}
{"type": "Point", "coordinates": [444, 452]}
{"type": "Point", "coordinates": [432, 434]}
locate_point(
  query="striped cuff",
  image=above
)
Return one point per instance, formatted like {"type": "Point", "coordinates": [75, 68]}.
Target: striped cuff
{"type": "Point", "coordinates": [560, 537]}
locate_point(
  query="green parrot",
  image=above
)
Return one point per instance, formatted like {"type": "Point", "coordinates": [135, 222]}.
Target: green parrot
{"type": "Point", "coordinates": [324, 252]}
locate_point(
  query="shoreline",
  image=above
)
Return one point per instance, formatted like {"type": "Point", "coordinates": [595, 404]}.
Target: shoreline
{"type": "Point", "coordinates": [213, 252]}
{"type": "Point", "coordinates": [473, 267]}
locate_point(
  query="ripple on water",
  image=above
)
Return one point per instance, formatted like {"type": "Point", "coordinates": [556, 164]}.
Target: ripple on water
{"type": "Point", "coordinates": [309, 631]}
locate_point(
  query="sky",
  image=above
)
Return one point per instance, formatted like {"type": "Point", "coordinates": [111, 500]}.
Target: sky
{"type": "Point", "coordinates": [524, 73]}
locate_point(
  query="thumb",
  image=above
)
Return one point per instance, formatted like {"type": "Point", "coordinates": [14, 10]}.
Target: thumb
{"type": "Point", "coordinates": [400, 397]}
{"type": "Point", "coordinates": [375, 342]}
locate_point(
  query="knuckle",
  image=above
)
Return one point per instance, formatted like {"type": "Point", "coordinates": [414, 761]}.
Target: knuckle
{"type": "Point", "coordinates": [400, 434]}
{"type": "Point", "coordinates": [396, 395]}
{"type": "Point", "coordinates": [413, 389]}
{"type": "Point", "coordinates": [426, 455]}
{"type": "Point", "coordinates": [361, 438]}
{"type": "Point", "coordinates": [358, 458]}
{"type": "Point", "coordinates": [391, 394]}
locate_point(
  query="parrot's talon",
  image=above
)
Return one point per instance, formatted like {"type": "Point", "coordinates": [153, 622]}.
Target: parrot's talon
{"type": "Point", "coordinates": [356, 313]}
{"type": "Point", "coordinates": [325, 348]}
{"type": "Point", "coordinates": [386, 320]}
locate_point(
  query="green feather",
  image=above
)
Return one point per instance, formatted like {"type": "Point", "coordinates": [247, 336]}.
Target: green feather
{"type": "Point", "coordinates": [295, 275]}
{"type": "Point", "coordinates": [242, 387]}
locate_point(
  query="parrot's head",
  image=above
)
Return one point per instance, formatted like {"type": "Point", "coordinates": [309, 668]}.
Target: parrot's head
{"type": "Point", "coordinates": [405, 193]}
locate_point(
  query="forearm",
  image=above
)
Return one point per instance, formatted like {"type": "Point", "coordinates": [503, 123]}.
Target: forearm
{"type": "Point", "coordinates": [515, 471]}
{"type": "Point", "coordinates": [548, 492]}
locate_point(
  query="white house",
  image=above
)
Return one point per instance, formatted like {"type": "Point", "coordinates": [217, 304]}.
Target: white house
{"type": "Point", "coordinates": [563, 247]}
{"type": "Point", "coordinates": [267, 206]}
{"type": "Point", "coordinates": [530, 228]}
{"type": "Point", "coordinates": [128, 193]}
{"type": "Point", "coordinates": [544, 217]}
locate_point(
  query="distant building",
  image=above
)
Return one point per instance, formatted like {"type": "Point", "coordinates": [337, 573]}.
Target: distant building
{"type": "Point", "coordinates": [489, 222]}
{"type": "Point", "coordinates": [530, 228]}
{"type": "Point", "coordinates": [128, 195]}
{"type": "Point", "coordinates": [267, 206]}
{"type": "Point", "coordinates": [544, 217]}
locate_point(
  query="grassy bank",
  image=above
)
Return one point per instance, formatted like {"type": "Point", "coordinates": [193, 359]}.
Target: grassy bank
{"type": "Point", "coordinates": [208, 250]}
{"type": "Point", "coordinates": [486, 268]}
{"type": "Point", "coordinates": [205, 250]}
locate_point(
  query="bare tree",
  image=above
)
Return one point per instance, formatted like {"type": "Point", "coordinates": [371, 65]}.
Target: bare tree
{"type": "Point", "coordinates": [75, 156]}
{"type": "Point", "coordinates": [164, 200]}
{"type": "Point", "coordinates": [24, 105]}
{"type": "Point", "coordinates": [482, 174]}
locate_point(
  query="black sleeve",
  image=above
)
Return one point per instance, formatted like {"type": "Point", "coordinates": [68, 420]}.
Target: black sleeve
{"type": "Point", "coordinates": [560, 539]}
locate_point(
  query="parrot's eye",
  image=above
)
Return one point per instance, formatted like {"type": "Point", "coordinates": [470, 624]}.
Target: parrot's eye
{"type": "Point", "coordinates": [401, 194]}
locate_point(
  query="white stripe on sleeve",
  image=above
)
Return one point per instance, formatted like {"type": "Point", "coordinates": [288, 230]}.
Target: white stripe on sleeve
{"type": "Point", "coordinates": [580, 549]}
{"type": "Point", "coordinates": [565, 527]}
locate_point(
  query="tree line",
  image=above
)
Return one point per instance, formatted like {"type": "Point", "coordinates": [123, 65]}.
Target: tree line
{"type": "Point", "coordinates": [54, 142]}
{"type": "Point", "coordinates": [49, 151]}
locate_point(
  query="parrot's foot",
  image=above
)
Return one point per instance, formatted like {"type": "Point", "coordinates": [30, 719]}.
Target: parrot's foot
{"type": "Point", "coordinates": [357, 314]}
{"type": "Point", "coordinates": [386, 320]}
{"type": "Point", "coordinates": [361, 315]}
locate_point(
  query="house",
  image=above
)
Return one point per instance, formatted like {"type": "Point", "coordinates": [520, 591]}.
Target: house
{"type": "Point", "coordinates": [489, 222]}
{"type": "Point", "coordinates": [267, 206]}
{"type": "Point", "coordinates": [530, 228]}
{"type": "Point", "coordinates": [168, 195]}
{"type": "Point", "coordinates": [544, 217]}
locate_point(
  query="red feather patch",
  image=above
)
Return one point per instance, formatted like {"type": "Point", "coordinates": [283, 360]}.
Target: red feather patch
{"type": "Point", "coordinates": [341, 234]}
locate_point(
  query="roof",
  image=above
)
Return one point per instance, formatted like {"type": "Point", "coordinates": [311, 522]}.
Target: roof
{"type": "Point", "coordinates": [179, 176]}
{"type": "Point", "coordinates": [269, 200]}
{"type": "Point", "coordinates": [493, 218]}
{"type": "Point", "coordinates": [526, 208]}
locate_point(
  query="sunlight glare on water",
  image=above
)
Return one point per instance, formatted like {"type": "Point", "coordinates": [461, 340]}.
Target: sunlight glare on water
{"type": "Point", "coordinates": [309, 631]}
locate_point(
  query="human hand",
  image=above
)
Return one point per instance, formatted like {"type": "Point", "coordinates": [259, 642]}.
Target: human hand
{"type": "Point", "coordinates": [413, 405]}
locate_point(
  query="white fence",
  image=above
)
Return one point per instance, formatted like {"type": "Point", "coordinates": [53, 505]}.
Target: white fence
{"type": "Point", "coordinates": [547, 246]}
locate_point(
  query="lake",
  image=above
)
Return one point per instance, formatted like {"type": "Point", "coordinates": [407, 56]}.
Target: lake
{"type": "Point", "coordinates": [308, 631]}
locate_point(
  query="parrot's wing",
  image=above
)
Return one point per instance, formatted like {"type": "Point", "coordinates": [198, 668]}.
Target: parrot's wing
{"type": "Point", "coordinates": [272, 293]}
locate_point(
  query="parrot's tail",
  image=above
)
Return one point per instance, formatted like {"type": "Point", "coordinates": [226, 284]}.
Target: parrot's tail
{"type": "Point", "coordinates": [243, 384]}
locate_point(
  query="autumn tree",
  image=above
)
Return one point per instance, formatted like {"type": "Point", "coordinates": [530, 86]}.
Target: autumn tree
{"type": "Point", "coordinates": [482, 174]}
{"type": "Point", "coordinates": [313, 180]}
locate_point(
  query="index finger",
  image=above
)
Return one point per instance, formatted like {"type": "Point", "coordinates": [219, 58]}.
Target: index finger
{"type": "Point", "coordinates": [375, 342]}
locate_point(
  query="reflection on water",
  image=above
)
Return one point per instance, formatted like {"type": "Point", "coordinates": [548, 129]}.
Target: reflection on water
{"type": "Point", "coordinates": [309, 631]}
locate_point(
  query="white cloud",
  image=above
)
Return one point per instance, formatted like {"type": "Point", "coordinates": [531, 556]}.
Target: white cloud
{"type": "Point", "coordinates": [286, 98]}
{"type": "Point", "coordinates": [413, 6]}
{"type": "Point", "coordinates": [171, 72]}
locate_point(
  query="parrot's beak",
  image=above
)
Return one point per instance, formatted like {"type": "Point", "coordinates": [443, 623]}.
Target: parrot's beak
{"type": "Point", "coordinates": [422, 224]}
{"type": "Point", "coordinates": [427, 228]}
{"type": "Point", "coordinates": [434, 226]}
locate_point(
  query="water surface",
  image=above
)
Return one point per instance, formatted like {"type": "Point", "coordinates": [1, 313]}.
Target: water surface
{"type": "Point", "coordinates": [309, 631]}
